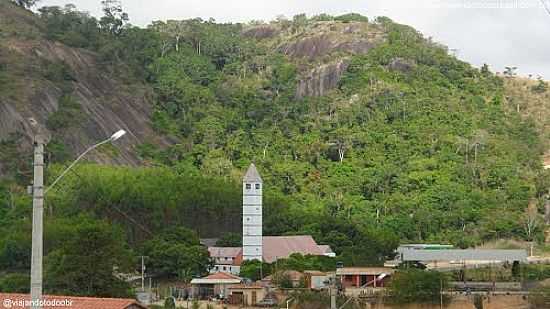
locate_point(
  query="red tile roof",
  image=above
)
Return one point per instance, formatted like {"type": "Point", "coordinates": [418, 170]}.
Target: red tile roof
{"type": "Point", "coordinates": [221, 275]}
{"type": "Point", "coordinates": [277, 247]}
{"type": "Point", "coordinates": [73, 302]}
{"type": "Point", "coordinates": [218, 278]}
{"type": "Point", "coordinates": [217, 252]}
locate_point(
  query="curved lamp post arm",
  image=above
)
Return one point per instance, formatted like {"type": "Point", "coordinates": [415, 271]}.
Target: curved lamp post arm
{"type": "Point", "coordinates": [113, 138]}
{"type": "Point", "coordinates": [74, 163]}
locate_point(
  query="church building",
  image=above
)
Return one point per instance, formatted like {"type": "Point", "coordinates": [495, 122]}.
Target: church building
{"type": "Point", "coordinates": [256, 246]}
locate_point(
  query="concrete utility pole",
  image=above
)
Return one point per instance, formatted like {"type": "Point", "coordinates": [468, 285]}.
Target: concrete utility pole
{"type": "Point", "coordinates": [38, 193]}
{"type": "Point", "coordinates": [37, 223]}
{"type": "Point", "coordinates": [441, 293]}
{"type": "Point", "coordinates": [143, 273]}
{"type": "Point", "coordinates": [333, 291]}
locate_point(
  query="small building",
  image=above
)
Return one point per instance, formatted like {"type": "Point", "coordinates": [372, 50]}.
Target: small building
{"type": "Point", "coordinates": [13, 300]}
{"type": "Point", "coordinates": [316, 280]}
{"type": "Point", "coordinates": [363, 277]}
{"type": "Point", "coordinates": [449, 259]}
{"type": "Point", "coordinates": [255, 245]}
{"type": "Point", "coordinates": [246, 294]}
{"type": "Point", "coordinates": [229, 259]}
{"type": "Point", "coordinates": [226, 259]}
{"type": "Point", "coordinates": [446, 257]}
{"type": "Point", "coordinates": [214, 285]}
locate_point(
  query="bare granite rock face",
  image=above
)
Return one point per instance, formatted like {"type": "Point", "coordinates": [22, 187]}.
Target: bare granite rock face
{"type": "Point", "coordinates": [322, 53]}
{"type": "Point", "coordinates": [321, 79]}
{"type": "Point", "coordinates": [324, 44]}
{"type": "Point", "coordinates": [106, 104]}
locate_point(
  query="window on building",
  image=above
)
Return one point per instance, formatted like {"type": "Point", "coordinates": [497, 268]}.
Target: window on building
{"type": "Point", "coordinates": [257, 186]}
{"type": "Point", "coordinates": [248, 186]}
{"type": "Point", "coordinates": [224, 268]}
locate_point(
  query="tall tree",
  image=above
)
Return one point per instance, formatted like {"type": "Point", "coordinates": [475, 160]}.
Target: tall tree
{"type": "Point", "coordinates": [114, 17]}
{"type": "Point", "coordinates": [89, 262]}
{"type": "Point", "coordinates": [176, 250]}
{"type": "Point", "coordinates": [26, 3]}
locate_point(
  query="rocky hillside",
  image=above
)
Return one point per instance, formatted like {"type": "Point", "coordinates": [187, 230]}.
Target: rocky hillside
{"type": "Point", "coordinates": [37, 73]}
{"type": "Point", "coordinates": [321, 50]}
{"type": "Point", "coordinates": [366, 134]}
{"type": "Point", "coordinates": [347, 119]}
{"type": "Point", "coordinates": [531, 98]}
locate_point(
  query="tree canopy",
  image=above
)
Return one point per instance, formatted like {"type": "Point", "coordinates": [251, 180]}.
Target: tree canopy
{"type": "Point", "coordinates": [413, 145]}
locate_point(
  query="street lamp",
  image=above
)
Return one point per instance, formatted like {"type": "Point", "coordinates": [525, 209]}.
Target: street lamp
{"type": "Point", "coordinates": [118, 134]}
{"type": "Point", "coordinates": [38, 212]}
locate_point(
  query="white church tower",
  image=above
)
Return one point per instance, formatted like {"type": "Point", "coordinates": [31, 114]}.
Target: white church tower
{"type": "Point", "coordinates": [252, 214]}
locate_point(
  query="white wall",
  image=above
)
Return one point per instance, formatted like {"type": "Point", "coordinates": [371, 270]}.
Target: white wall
{"type": "Point", "coordinates": [252, 221]}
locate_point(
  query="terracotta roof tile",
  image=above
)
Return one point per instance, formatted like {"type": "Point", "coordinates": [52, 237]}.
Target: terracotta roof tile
{"type": "Point", "coordinates": [218, 278]}
{"type": "Point", "coordinates": [216, 252]}
{"type": "Point", "coordinates": [277, 247]}
{"type": "Point", "coordinates": [221, 275]}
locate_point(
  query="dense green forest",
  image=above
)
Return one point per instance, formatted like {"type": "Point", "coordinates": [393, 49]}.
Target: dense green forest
{"type": "Point", "coordinates": [413, 145]}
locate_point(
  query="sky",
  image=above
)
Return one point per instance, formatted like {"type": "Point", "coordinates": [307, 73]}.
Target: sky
{"type": "Point", "coordinates": [497, 32]}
